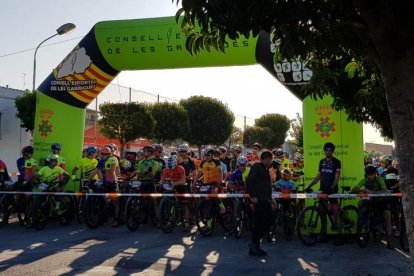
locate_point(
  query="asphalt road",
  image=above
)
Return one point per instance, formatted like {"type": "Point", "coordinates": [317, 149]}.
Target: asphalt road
{"type": "Point", "coordinates": [76, 250]}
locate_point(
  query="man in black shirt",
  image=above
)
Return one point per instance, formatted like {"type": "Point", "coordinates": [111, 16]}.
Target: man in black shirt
{"type": "Point", "coordinates": [259, 187]}
{"type": "Point", "coordinates": [328, 174]}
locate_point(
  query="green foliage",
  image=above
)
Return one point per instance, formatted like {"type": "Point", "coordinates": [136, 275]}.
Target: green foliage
{"type": "Point", "coordinates": [261, 135]}
{"type": "Point", "coordinates": [334, 38]}
{"type": "Point", "coordinates": [126, 121]}
{"type": "Point", "coordinates": [172, 121]}
{"type": "Point", "coordinates": [211, 122]}
{"type": "Point", "coordinates": [279, 126]}
{"type": "Point", "coordinates": [297, 131]}
{"type": "Point", "coordinates": [26, 109]}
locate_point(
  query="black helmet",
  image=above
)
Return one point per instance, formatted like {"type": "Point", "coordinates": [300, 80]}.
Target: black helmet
{"type": "Point", "coordinates": [370, 169]}
{"type": "Point", "coordinates": [27, 149]}
{"type": "Point", "coordinates": [56, 146]}
{"type": "Point", "coordinates": [149, 149]}
{"type": "Point", "coordinates": [157, 147]}
{"type": "Point", "coordinates": [329, 145]}
{"type": "Point", "coordinates": [278, 153]}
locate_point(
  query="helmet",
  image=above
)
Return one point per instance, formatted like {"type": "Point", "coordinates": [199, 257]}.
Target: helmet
{"type": "Point", "coordinates": [157, 147]}
{"type": "Point", "coordinates": [149, 149]}
{"type": "Point", "coordinates": [222, 149]}
{"type": "Point", "coordinates": [286, 153]}
{"type": "Point", "coordinates": [329, 145]}
{"type": "Point", "coordinates": [287, 171]}
{"type": "Point", "coordinates": [27, 149]}
{"type": "Point", "coordinates": [278, 153]}
{"type": "Point", "coordinates": [112, 147]}
{"type": "Point", "coordinates": [56, 146]}
{"type": "Point", "coordinates": [208, 151]}
{"type": "Point", "coordinates": [299, 157]}
{"type": "Point", "coordinates": [126, 165]}
{"type": "Point", "coordinates": [236, 148]}
{"type": "Point", "coordinates": [140, 152]}
{"type": "Point", "coordinates": [257, 145]}
{"type": "Point", "coordinates": [242, 160]}
{"type": "Point", "coordinates": [183, 147]}
{"type": "Point", "coordinates": [277, 162]}
{"type": "Point", "coordinates": [171, 163]}
{"type": "Point", "coordinates": [91, 150]}
{"type": "Point", "coordinates": [106, 150]}
{"type": "Point", "coordinates": [217, 152]}
{"type": "Point", "coordinates": [52, 157]}
{"type": "Point", "coordinates": [370, 169]}
{"type": "Point", "coordinates": [388, 160]}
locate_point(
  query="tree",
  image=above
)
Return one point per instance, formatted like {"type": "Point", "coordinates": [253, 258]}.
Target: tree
{"type": "Point", "coordinates": [360, 52]}
{"type": "Point", "coordinates": [26, 109]}
{"type": "Point", "coordinates": [126, 122]}
{"type": "Point", "coordinates": [211, 122]}
{"type": "Point", "coordinates": [297, 131]}
{"type": "Point", "coordinates": [236, 137]}
{"type": "Point", "coordinates": [172, 121]}
{"type": "Point", "coordinates": [279, 126]}
{"type": "Point", "coordinates": [261, 135]}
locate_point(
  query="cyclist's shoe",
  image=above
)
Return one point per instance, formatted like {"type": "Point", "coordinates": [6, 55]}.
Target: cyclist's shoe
{"type": "Point", "coordinates": [255, 250]}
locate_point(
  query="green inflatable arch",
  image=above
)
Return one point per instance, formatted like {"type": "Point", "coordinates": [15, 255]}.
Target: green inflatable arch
{"type": "Point", "coordinates": [158, 43]}
{"type": "Point", "coordinates": [113, 46]}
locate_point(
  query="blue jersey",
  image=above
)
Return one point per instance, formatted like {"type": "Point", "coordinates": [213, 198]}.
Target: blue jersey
{"type": "Point", "coordinates": [285, 186]}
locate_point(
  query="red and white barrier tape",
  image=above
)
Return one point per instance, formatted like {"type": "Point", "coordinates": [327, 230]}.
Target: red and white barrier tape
{"type": "Point", "coordinates": [274, 195]}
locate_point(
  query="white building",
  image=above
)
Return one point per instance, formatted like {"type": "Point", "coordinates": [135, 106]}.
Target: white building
{"type": "Point", "coordinates": [12, 136]}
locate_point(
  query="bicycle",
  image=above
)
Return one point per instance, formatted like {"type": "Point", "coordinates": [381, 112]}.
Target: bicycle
{"type": "Point", "coordinates": [51, 206]}
{"type": "Point", "coordinates": [242, 213]}
{"type": "Point", "coordinates": [173, 210]}
{"type": "Point", "coordinates": [208, 212]}
{"type": "Point", "coordinates": [12, 203]}
{"type": "Point", "coordinates": [312, 220]}
{"type": "Point", "coordinates": [137, 209]}
{"type": "Point", "coordinates": [284, 217]}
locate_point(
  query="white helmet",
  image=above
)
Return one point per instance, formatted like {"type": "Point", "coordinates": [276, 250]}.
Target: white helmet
{"type": "Point", "coordinates": [183, 147]}
{"type": "Point", "coordinates": [126, 165]}
{"type": "Point", "coordinates": [242, 160]}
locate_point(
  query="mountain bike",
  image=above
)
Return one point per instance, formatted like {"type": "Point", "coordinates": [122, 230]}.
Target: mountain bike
{"type": "Point", "coordinates": [97, 208]}
{"type": "Point", "coordinates": [242, 219]}
{"type": "Point", "coordinates": [12, 204]}
{"type": "Point", "coordinates": [50, 206]}
{"type": "Point", "coordinates": [312, 220]}
{"type": "Point", "coordinates": [370, 222]}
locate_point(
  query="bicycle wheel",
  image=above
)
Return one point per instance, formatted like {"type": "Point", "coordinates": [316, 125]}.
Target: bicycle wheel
{"type": "Point", "coordinates": [66, 209]}
{"type": "Point", "coordinates": [239, 219]}
{"type": "Point", "coordinates": [349, 217]}
{"type": "Point", "coordinates": [94, 211]}
{"type": "Point", "coordinates": [227, 219]}
{"type": "Point", "coordinates": [151, 212]}
{"type": "Point", "coordinates": [40, 212]}
{"type": "Point", "coordinates": [25, 212]}
{"type": "Point", "coordinates": [289, 220]}
{"type": "Point", "coordinates": [4, 210]}
{"type": "Point", "coordinates": [309, 225]}
{"type": "Point", "coordinates": [167, 215]}
{"type": "Point", "coordinates": [133, 213]}
{"type": "Point", "coordinates": [205, 217]}
{"type": "Point", "coordinates": [363, 231]}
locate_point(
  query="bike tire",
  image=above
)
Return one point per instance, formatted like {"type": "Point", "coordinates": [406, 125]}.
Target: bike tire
{"type": "Point", "coordinates": [239, 219]}
{"type": "Point", "coordinates": [3, 209]}
{"type": "Point", "coordinates": [26, 215]}
{"type": "Point", "coordinates": [67, 208]}
{"type": "Point", "coordinates": [349, 218]}
{"type": "Point", "coordinates": [363, 232]}
{"type": "Point", "coordinates": [289, 220]}
{"type": "Point", "coordinates": [40, 212]}
{"type": "Point", "coordinates": [94, 211]}
{"type": "Point", "coordinates": [308, 225]}
{"type": "Point", "coordinates": [227, 219]}
{"type": "Point", "coordinates": [133, 214]}
{"type": "Point", "coordinates": [205, 217]}
{"type": "Point", "coordinates": [168, 214]}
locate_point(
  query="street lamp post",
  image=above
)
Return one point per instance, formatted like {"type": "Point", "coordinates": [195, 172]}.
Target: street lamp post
{"type": "Point", "coordinates": [64, 29]}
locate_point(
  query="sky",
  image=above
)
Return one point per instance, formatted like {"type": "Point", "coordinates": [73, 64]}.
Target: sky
{"type": "Point", "coordinates": [248, 90]}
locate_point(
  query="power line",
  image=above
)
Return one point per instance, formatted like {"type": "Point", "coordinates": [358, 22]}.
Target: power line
{"type": "Point", "coordinates": [46, 45]}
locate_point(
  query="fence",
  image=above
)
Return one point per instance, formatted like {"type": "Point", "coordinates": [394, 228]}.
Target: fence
{"type": "Point", "coordinates": [120, 94]}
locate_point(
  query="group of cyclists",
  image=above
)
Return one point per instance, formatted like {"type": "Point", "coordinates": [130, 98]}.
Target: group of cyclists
{"type": "Point", "coordinates": [215, 171]}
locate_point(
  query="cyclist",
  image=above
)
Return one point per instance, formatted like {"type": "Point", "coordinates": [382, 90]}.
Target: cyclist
{"type": "Point", "coordinates": [114, 156]}
{"type": "Point", "coordinates": [106, 170]}
{"type": "Point", "coordinates": [274, 170]}
{"type": "Point", "coordinates": [4, 175]}
{"type": "Point", "coordinates": [224, 158]}
{"type": "Point", "coordinates": [186, 162]}
{"type": "Point", "coordinates": [328, 174]}
{"type": "Point", "coordinates": [235, 152]}
{"type": "Point", "coordinates": [56, 148]}
{"type": "Point", "coordinates": [254, 157]}
{"type": "Point", "coordinates": [297, 172]}
{"type": "Point", "coordinates": [52, 172]}
{"type": "Point", "coordinates": [176, 175]}
{"type": "Point", "coordinates": [158, 150]}
{"type": "Point", "coordinates": [210, 170]}
{"type": "Point", "coordinates": [140, 156]}
{"type": "Point", "coordinates": [216, 156]}
{"type": "Point", "coordinates": [146, 170]}
{"type": "Point", "coordinates": [286, 187]}
{"type": "Point", "coordinates": [26, 165]}
{"type": "Point", "coordinates": [391, 179]}
{"type": "Point", "coordinates": [128, 165]}
{"type": "Point", "coordinates": [86, 165]}
{"type": "Point", "coordinates": [373, 184]}
{"type": "Point", "coordinates": [239, 176]}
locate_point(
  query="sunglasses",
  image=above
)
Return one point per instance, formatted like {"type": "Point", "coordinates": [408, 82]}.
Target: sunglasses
{"type": "Point", "coordinates": [329, 150]}
{"type": "Point", "coordinates": [242, 165]}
